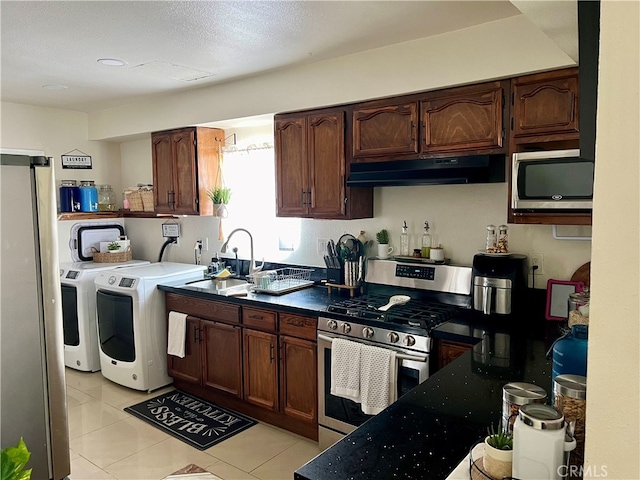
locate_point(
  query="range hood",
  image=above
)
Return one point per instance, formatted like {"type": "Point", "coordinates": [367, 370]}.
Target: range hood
{"type": "Point", "coordinates": [429, 171]}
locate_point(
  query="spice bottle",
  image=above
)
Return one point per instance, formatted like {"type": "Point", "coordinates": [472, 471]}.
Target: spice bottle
{"type": "Point", "coordinates": [502, 244]}
{"type": "Point", "coordinates": [492, 239]}
{"type": "Point", "coordinates": [404, 241]}
{"type": "Point", "coordinates": [426, 241]}
{"type": "Point", "coordinates": [516, 394]}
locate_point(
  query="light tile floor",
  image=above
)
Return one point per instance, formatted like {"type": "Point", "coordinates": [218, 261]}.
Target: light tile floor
{"type": "Point", "coordinates": [108, 443]}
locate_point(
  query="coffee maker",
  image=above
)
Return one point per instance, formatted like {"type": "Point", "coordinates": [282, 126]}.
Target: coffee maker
{"type": "Point", "coordinates": [499, 283]}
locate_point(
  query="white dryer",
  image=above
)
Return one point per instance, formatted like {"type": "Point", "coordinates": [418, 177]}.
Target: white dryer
{"type": "Point", "coordinates": [132, 322]}
{"type": "Point", "coordinates": [79, 312]}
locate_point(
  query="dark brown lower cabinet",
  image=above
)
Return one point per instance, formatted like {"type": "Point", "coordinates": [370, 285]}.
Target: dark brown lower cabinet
{"type": "Point", "coordinates": [448, 351]}
{"type": "Point", "coordinates": [189, 368]}
{"type": "Point", "coordinates": [261, 369]}
{"type": "Point", "coordinates": [298, 384]}
{"type": "Point", "coordinates": [222, 362]}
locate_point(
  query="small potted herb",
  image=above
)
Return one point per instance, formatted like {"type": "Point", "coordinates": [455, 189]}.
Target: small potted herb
{"type": "Point", "coordinates": [220, 197]}
{"type": "Point", "coordinates": [384, 249]}
{"type": "Point", "coordinates": [13, 462]}
{"type": "Point", "coordinates": [113, 247]}
{"type": "Point", "coordinates": [498, 452]}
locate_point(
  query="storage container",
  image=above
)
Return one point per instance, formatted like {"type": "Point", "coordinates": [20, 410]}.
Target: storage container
{"type": "Point", "coordinates": [570, 353]}
{"type": "Point", "coordinates": [579, 308]}
{"type": "Point", "coordinates": [570, 398]}
{"type": "Point", "coordinates": [69, 196]}
{"type": "Point", "coordinates": [88, 196]}
{"type": "Point", "coordinates": [516, 394]}
{"type": "Point", "coordinates": [106, 199]}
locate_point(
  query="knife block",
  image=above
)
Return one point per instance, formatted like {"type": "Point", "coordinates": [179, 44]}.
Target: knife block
{"type": "Point", "coordinates": [335, 275]}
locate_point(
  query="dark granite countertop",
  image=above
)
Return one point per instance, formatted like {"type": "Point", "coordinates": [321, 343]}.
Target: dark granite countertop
{"type": "Point", "coordinates": [309, 301]}
{"type": "Point", "coordinates": [429, 431]}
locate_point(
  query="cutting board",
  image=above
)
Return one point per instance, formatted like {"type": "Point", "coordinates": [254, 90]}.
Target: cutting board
{"type": "Point", "coordinates": [583, 274]}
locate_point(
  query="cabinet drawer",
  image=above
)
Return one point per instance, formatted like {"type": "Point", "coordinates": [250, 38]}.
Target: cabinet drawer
{"type": "Point", "coordinates": [296, 326]}
{"type": "Point", "coordinates": [210, 310]}
{"type": "Point", "coordinates": [261, 319]}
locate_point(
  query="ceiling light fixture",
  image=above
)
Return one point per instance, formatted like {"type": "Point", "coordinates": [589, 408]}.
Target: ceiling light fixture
{"type": "Point", "coordinates": [112, 62]}
{"type": "Point", "coordinates": [54, 87]}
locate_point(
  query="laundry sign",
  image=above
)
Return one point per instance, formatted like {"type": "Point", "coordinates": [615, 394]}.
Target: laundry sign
{"type": "Point", "coordinates": [77, 160]}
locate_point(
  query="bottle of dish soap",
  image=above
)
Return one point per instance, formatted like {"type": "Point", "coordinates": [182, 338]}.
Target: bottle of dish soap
{"type": "Point", "coordinates": [404, 241]}
{"type": "Point", "coordinates": [426, 241]}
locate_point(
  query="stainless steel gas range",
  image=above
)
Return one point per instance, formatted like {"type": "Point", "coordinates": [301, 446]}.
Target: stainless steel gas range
{"type": "Point", "coordinates": [437, 293]}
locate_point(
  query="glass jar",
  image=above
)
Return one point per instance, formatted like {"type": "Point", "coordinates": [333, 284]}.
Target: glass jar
{"type": "Point", "coordinates": [579, 308]}
{"type": "Point", "coordinates": [570, 399]}
{"type": "Point", "coordinates": [88, 196]}
{"type": "Point", "coordinates": [492, 239]}
{"type": "Point", "coordinates": [106, 199]}
{"type": "Point", "coordinates": [69, 196]}
{"type": "Point", "coordinates": [426, 242]}
{"type": "Point", "coordinates": [516, 394]}
{"type": "Point", "coordinates": [502, 244]}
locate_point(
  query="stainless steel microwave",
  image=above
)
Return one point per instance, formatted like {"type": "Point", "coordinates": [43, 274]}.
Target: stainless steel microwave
{"type": "Point", "coordinates": [551, 180]}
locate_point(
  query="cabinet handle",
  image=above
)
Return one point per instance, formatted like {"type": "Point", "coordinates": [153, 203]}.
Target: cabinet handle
{"type": "Point", "coordinates": [196, 332]}
{"type": "Point", "coordinates": [271, 353]}
{"type": "Point", "coordinates": [257, 317]}
{"type": "Point", "coordinates": [413, 132]}
{"type": "Point", "coordinates": [572, 106]}
{"type": "Point", "coordinates": [171, 198]}
{"type": "Point", "coordinates": [303, 202]}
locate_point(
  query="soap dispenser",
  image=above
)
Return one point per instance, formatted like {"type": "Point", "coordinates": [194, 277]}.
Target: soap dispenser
{"type": "Point", "coordinates": [404, 241]}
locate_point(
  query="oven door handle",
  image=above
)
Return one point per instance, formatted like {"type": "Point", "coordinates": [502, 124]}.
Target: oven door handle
{"type": "Point", "coordinates": [399, 356]}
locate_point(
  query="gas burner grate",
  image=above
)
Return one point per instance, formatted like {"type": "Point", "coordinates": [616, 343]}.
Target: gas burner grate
{"type": "Point", "coordinates": [414, 313]}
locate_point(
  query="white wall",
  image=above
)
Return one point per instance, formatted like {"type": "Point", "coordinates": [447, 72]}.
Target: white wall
{"type": "Point", "coordinates": [497, 49]}
{"type": "Point", "coordinates": [613, 386]}
{"type": "Point", "coordinates": [57, 132]}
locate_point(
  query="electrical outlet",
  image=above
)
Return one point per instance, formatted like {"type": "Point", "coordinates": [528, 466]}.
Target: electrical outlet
{"type": "Point", "coordinates": [322, 246]}
{"type": "Point", "coordinates": [537, 259]}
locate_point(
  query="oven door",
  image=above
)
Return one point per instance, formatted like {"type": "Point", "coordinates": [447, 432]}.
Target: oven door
{"type": "Point", "coordinates": [339, 416]}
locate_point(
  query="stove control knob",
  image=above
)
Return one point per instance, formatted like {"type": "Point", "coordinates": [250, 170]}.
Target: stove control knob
{"type": "Point", "coordinates": [393, 337]}
{"type": "Point", "coordinates": [332, 324]}
{"type": "Point", "coordinates": [346, 328]}
{"type": "Point", "coordinates": [409, 341]}
{"type": "Point", "coordinates": [367, 332]}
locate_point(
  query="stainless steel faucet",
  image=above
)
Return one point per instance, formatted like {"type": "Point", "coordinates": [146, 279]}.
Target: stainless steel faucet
{"type": "Point", "coordinates": [253, 268]}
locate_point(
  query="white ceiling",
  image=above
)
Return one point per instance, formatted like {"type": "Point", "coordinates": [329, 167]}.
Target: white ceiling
{"type": "Point", "coordinates": [177, 45]}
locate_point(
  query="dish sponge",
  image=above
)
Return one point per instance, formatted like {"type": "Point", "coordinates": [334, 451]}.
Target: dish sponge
{"type": "Point", "coordinates": [225, 273]}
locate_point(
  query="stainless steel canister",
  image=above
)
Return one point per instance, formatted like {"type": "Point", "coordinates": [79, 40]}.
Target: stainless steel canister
{"type": "Point", "coordinates": [570, 398]}
{"type": "Point", "coordinates": [516, 394]}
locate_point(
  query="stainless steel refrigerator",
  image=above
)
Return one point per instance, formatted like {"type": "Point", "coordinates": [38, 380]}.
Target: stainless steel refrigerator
{"type": "Point", "coordinates": [33, 393]}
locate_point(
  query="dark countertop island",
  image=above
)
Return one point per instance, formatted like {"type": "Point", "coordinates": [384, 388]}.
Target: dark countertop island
{"type": "Point", "coordinates": [428, 431]}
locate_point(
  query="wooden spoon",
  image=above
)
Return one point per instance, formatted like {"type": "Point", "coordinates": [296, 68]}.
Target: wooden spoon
{"type": "Point", "coordinates": [395, 300]}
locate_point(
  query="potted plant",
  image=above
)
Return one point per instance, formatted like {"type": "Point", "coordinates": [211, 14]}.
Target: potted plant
{"type": "Point", "coordinates": [220, 197]}
{"type": "Point", "coordinates": [384, 250]}
{"type": "Point", "coordinates": [113, 247]}
{"type": "Point", "coordinates": [498, 452]}
{"type": "Point", "coordinates": [13, 462]}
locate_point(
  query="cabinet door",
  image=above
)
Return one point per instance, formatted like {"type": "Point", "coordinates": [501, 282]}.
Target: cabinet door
{"type": "Point", "coordinates": [326, 165]}
{"type": "Point", "coordinates": [298, 379]}
{"type": "Point", "coordinates": [385, 130]}
{"type": "Point", "coordinates": [188, 368]}
{"type": "Point", "coordinates": [466, 121]}
{"type": "Point", "coordinates": [222, 352]}
{"type": "Point", "coordinates": [449, 351]}
{"type": "Point", "coordinates": [261, 369]}
{"type": "Point", "coordinates": [546, 106]}
{"type": "Point", "coordinates": [162, 157]}
{"type": "Point", "coordinates": [185, 173]}
{"type": "Point", "coordinates": [292, 177]}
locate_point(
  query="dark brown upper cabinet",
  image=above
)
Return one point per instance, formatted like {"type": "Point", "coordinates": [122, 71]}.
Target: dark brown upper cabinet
{"type": "Point", "coordinates": [545, 107]}
{"type": "Point", "coordinates": [311, 168]}
{"type": "Point", "coordinates": [385, 130]}
{"type": "Point", "coordinates": [469, 120]}
{"type": "Point", "coordinates": [458, 121]}
{"type": "Point", "coordinates": [185, 166]}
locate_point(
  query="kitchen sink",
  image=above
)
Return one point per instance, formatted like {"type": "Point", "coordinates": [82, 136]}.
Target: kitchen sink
{"type": "Point", "coordinates": [225, 286]}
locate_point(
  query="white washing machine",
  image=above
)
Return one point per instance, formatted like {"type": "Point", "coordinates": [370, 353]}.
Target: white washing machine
{"type": "Point", "coordinates": [79, 312]}
{"type": "Point", "coordinates": [132, 322]}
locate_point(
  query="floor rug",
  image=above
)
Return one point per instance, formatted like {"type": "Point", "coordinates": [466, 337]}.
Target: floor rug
{"type": "Point", "coordinates": [194, 421]}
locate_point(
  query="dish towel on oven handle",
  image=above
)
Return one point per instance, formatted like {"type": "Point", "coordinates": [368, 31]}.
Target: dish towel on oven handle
{"type": "Point", "coordinates": [345, 369]}
{"type": "Point", "coordinates": [378, 379]}
{"type": "Point", "coordinates": [177, 335]}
